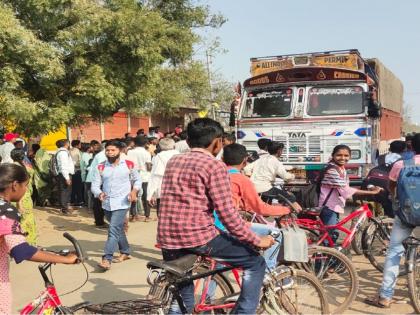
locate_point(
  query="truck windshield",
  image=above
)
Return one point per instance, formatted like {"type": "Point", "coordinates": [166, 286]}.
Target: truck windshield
{"type": "Point", "coordinates": [335, 101]}
{"type": "Point", "coordinates": [268, 104]}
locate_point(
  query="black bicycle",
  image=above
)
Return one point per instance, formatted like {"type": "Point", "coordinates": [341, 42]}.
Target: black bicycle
{"type": "Point", "coordinates": [412, 263]}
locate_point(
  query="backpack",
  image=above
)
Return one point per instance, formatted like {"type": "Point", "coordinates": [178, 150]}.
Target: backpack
{"type": "Point", "coordinates": [53, 165]}
{"type": "Point", "coordinates": [408, 194]}
{"type": "Point", "coordinates": [128, 163]}
{"type": "Point", "coordinates": [378, 176]}
{"type": "Point", "coordinates": [308, 197]}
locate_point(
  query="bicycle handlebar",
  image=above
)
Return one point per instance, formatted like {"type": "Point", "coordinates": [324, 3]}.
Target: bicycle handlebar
{"type": "Point", "coordinates": [76, 245]}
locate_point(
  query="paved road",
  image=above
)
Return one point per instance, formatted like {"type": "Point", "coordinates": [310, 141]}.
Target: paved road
{"type": "Point", "coordinates": [128, 279]}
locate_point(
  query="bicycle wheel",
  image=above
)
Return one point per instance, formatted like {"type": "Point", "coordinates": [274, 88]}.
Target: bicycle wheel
{"type": "Point", "coordinates": [336, 273]}
{"type": "Point", "coordinates": [356, 243]}
{"type": "Point", "coordinates": [293, 292]}
{"type": "Point", "coordinates": [414, 278]}
{"type": "Point", "coordinates": [375, 244]}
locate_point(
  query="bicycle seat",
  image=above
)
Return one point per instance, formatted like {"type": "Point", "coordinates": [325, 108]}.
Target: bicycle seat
{"type": "Point", "coordinates": [179, 267]}
{"type": "Point", "coordinates": [312, 211]}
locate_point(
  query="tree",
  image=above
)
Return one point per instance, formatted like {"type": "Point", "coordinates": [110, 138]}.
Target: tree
{"type": "Point", "coordinates": [67, 61]}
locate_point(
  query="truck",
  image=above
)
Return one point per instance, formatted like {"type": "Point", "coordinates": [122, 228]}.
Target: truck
{"type": "Point", "coordinates": [312, 102]}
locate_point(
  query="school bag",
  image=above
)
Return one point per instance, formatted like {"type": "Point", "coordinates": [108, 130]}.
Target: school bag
{"type": "Point", "coordinates": [377, 176]}
{"type": "Point", "coordinates": [408, 194]}
{"type": "Point", "coordinates": [53, 165]}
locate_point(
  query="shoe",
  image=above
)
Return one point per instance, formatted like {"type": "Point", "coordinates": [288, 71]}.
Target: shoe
{"type": "Point", "coordinates": [138, 217]}
{"type": "Point", "coordinates": [121, 258]}
{"type": "Point", "coordinates": [105, 264]}
{"type": "Point", "coordinates": [377, 301]}
{"type": "Point", "coordinates": [148, 219]}
{"type": "Point", "coordinates": [103, 226]}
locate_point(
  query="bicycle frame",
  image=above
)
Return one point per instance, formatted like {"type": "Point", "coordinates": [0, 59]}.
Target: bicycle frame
{"type": "Point", "coordinates": [48, 299]}
{"type": "Point", "coordinates": [362, 213]}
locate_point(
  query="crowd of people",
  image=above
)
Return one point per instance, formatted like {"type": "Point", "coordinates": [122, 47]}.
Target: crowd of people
{"type": "Point", "coordinates": [198, 180]}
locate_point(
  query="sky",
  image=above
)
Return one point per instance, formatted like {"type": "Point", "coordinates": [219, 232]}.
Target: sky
{"type": "Point", "coordinates": [385, 29]}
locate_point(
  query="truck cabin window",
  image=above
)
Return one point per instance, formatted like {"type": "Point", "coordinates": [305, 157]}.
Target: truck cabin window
{"type": "Point", "coordinates": [335, 101]}
{"type": "Point", "coordinates": [268, 104]}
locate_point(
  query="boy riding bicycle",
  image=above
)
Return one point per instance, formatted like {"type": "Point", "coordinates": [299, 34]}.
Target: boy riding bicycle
{"type": "Point", "coordinates": [194, 185]}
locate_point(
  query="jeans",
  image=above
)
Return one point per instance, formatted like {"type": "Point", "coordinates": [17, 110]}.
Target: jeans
{"type": "Point", "coordinates": [330, 217]}
{"type": "Point", "coordinates": [392, 263]}
{"type": "Point", "coordinates": [65, 192]}
{"type": "Point", "coordinates": [88, 195]}
{"type": "Point", "coordinates": [263, 230]}
{"type": "Point", "coordinates": [226, 248]}
{"type": "Point", "coordinates": [116, 234]}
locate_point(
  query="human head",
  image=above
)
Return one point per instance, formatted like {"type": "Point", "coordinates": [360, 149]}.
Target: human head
{"type": "Point", "coordinates": [151, 129]}
{"type": "Point", "coordinates": [17, 155]}
{"type": "Point", "coordinates": [140, 141]}
{"type": "Point", "coordinates": [75, 144]}
{"type": "Point", "coordinates": [153, 140]}
{"type": "Point", "coordinates": [35, 147]}
{"type": "Point", "coordinates": [10, 137]}
{"type": "Point", "coordinates": [263, 143]}
{"type": "Point", "coordinates": [129, 142]}
{"type": "Point", "coordinates": [183, 135]}
{"type": "Point", "coordinates": [235, 155]}
{"type": "Point", "coordinates": [62, 143]}
{"type": "Point", "coordinates": [19, 144]}
{"type": "Point", "coordinates": [85, 147]}
{"type": "Point", "coordinates": [228, 138]}
{"type": "Point", "coordinates": [416, 143]}
{"type": "Point", "coordinates": [157, 129]}
{"type": "Point", "coordinates": [166, 144]}
{"type": "Point", "coordinates": [397, 146]}
{"type": "Point", "coordinates": [113, 150]}
{"type": "Point", "coordinates": [408, 141]}
{"type": "Point", "coordinates": [341, 154]}
{"type": "Point", "coordinates": [140, 132]}
{"type": "Point", "coordinates": [275, 148]}
{"type": "Point", "coordinates": [205, 133]}
{"type": "Point", "coordinates": [13, 181]}
{"type": "Point", "coordinates": [95, 146]}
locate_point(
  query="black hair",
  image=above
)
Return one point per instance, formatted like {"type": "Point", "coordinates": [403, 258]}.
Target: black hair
{"type": "Point", "coordinates": [94, 142]}
{"type": "Point", "coordinates": [340, 147]}
{"type": "Point", "coordinates": [126, 135]}
{"type": "Point", "coordinates": [234, 154]}
{"type": "Point", "coordinates": [274, 146]}
{"type": "Point", "coordinates": [18, 155]}
{"type": "Point", "coordinates": [202, 131]}
{"type": "Point", "coordinates": [416, 143]}
{"type": "Point", "coordinates": [183, 135]}
{"type": "Point", "coordinates": [85, 146]}
{"type": "Point", "coordinates": [409, 137]}
{"type": "Point", "coordinates": [263, 143]}
{"type": "Point", "coordinates": [140, 131]}
{"type": "Point", "coordinates": [128, 140]}
{"type": "Point", "coordinates": [230, 136]}
{"type": "Point", "coordinates": [35, 147]}
{"type": "Point", "coordinates": [18, 142]}
{"type": "Point", "coordinates": [61, 143]}
{"type": "Point", "coordinates": [10, 173]}
{"type": "Point", "coordinates": [140, 141]}
{"type": "Point", "coordinates": [397, 146]}
{"type": "Point", "coordinates": [115, 143]}
{"type": "Point", "coordinates": [75, 143]}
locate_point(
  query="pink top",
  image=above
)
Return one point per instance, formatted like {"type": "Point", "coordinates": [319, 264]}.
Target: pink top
{"type": "Point", "coordinates": [398, 166]}
{"type": "Point", "coordinates": [337, 200]}
{"type": "Point", "coordinates": [7, 242]}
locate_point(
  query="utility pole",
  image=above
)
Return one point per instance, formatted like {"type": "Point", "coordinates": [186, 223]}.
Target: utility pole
{"type": "Point", "coordinates": [208, 58]}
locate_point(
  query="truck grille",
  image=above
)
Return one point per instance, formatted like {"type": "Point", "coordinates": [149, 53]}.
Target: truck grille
{"type": "Point", "coordinates": [300, 149]}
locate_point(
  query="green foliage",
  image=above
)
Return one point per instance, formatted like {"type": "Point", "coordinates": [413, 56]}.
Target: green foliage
{"type": "Point", "coordinates": [62, 61]}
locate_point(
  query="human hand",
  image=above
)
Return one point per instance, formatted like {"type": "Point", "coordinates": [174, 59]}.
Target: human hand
{"type": "Point", "coordinates": [376, 190]}
{"type": "Point", "coordinates": [102, 196]}
{"type": "Point", "coordinates": [152, 202]}
{"type": "Point", "coordinates": [132, 196]}
{"type": "Point", "coordinates": [71, 259]}
{"type": "Point", "coordinates": [68, 182]}
{"type": "Point", "coordinates": [266, 242]}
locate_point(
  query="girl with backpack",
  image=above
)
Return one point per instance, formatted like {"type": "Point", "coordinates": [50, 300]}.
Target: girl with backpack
{"type": "Point", "coordinates": [335, 188]}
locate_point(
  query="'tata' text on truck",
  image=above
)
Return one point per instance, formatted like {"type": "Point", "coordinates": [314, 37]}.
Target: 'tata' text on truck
{"type": "Point", "coordinates": [312, 102]}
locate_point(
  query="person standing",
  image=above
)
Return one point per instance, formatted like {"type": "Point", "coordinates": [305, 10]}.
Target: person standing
{"type": "Point", "coordinates": [159, 162]}
{"type": "Point", "coordinates": [116, 184]}
{"type": "Point", "coordinates": [77, 184]}
{"type": "Point", "coordinates": [182, 146]}
{"type": "Point", "coordinates": [65, 170]}
{"type": "Point", "coordinates": [143, 162]}
{"type": "Point", "coordinates": [7, 147]}
{"type": "Point", "coordinates": [85, 158]}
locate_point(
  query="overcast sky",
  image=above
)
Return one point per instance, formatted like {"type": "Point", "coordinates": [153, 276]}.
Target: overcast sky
{"type": "Point", "coordinates": [386, 29]}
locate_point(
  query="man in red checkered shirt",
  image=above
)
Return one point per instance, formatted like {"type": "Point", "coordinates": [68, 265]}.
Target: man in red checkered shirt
{"type": "Point", "coordinates": [194, 185]}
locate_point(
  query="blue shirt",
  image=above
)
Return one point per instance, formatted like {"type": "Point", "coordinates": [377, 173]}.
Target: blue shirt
{"type": "Point", "coordinates": [115, 181]}
{"type": "Point", "coordinates": [99, 158]}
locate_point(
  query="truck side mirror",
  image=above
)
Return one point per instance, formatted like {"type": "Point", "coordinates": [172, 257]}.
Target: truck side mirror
{"type": "Point", "coordinates": [372, 105]}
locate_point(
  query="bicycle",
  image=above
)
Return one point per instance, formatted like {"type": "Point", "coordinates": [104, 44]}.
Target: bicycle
{"type": "Point", "coordinates": [48, 301]}
{"type": "Point", "coordinates": [412, 263]}
{"type": "Point", "coordinates": [166, 278]}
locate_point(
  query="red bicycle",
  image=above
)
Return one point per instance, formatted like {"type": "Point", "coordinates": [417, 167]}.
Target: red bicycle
{"type": "Point", "coordinates": [48, 302]}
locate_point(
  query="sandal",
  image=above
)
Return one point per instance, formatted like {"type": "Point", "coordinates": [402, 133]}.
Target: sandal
{"type": "Point", "coordinates": [377, 301]}
{"type": "Point", "coordinates": [121, 258]}
{"type": "Point", "coordinates": [148, 219]}
{"type": "Point", "coordinates": [105, 264]}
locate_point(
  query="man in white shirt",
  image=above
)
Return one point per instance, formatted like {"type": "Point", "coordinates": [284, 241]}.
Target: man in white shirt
{"type": "Point", "coordinates": [7, 147]}
{"type": "Point", "coordinates": [182, 145]}
{"type": "Point", "coordinates": [143, 162]}
{"type": "Point", "coordinates": [65, 170]}
{"type": "Point", "coordinates": [167, 145]}
{"type": "Point", "coordinates": [266, 169]}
